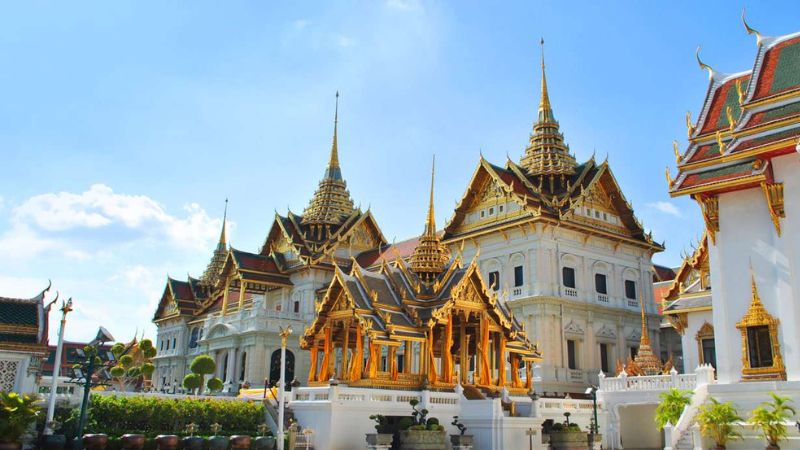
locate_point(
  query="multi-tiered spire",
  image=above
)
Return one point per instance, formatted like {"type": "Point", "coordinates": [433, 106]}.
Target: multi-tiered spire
{"type": "Point", "coordinates": [645, 359]}
{"type": "Point", "coordinates": [547, 157]}
{"type": "Point", "coordinates": [430, 257]}
{"type": "Point", "coordinates": [331, 203]}
{"type": "Point", "coordinates": [211, 275]}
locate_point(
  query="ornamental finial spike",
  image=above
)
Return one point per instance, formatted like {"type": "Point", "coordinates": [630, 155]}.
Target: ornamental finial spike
{"type": "Point", "coordinates": [703, 65]}
{"type": "Point", "coordinates": [669, 177]}
{"type": "Point", "coordinates": [689, 125]}
{"type": "Point", "coordinates": [751, 30]}
{"type": "Point", "coordinates": [677, 152]}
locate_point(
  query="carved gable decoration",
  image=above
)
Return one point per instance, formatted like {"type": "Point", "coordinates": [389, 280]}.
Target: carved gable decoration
{"type": "Point", "coordinates": [606, 332]}
{"type": "Point", "coordinates": [573, 328]}
{"type": "Point", "coordinates": [282, 245]}
{"type": "Point", "coordinates": [635, 335]}
{"type": "Point", "coordinates": [598, 197]}
{"type": "Point", "coordinates": [363, 237]}
{"type": "Point", "coordinates": [491, 191]}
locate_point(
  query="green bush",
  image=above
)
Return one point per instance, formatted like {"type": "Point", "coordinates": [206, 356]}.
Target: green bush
{"type": "Point", "coordinates": [126, 360]}
{"type": "Point", "coordinates": [148, 369]}
{"type": "Point", "coordinates": [145, 344]}
{"type": "Point", "coordinates": [192, 381]}
{"type": "Point", "coordinates": [433, 421]}
{"type": "Point", "coordinates": [214, 384]}
{"type": "Point", "coordinates": [203, 364]}
{"type": "Point", "coordinates": [405, 423]}
{"type": "Point", "coordinates": [117, 371]}
{"type": "Point", "coordinates": [151, 416]}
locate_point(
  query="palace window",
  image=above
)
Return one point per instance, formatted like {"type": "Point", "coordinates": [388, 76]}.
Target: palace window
{"type": "Point", "coordinates": [483, 214]}
{"type": "Point", "coordinates": [174, 341]}
{"type": "Point", "coordinates": [600, 283]}
{"type": "Point", "coordinates": [194, 337]}
{"type": "Point", "coordinates": [162, 345]}
{"type": "Point", "coordinates": [634, 352]}
{"type": "Point", "coordinates": [568, 276]}
{"type": "Point", "coordinates": [604, 358]}
{"type": "Point", "coordinates": [630, 289]}
{"type": "Point", "coordinates": [759, 346]}
{"type": "Point", "coordinates": [572, 357]}
{"type": "Point", "coordinates": [596, 214]}
{"type": "Point", "coordinates": [500, 209]}
{"type": "Point", "coordinates": [494, 280]}
{"type": "Point", "coordinates": [709, 352]}
{"type": "Point", "coordinates": [519, 279]}
{"type": "Point", "coordinates": [491, 211]}
{"type": "Point", "coordinates": [167, 344]}
{"type": "Point", "coordinates": [296, 307]}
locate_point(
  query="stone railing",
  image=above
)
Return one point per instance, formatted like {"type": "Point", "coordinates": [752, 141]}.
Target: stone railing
{"type": "Point", "coordinates": [345, 394]}
{"type": "Point", "coordinates": [602, 298]}
{"type": "Point", "coordinates": [570, 292]}
{"type": "Point", "coordinates": [703, 375]}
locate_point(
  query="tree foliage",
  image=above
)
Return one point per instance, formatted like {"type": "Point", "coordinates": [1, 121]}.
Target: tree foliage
{"type": "Point", "coordinates": [192, 381]}
{"type": "Point", "coordinates": [771, 417]}
{"type": "Point", "coordinates": [214, 384]}
{"type": "Point", "coordinates": [203, 365]}
{"type": "Point", "coordinates": [671, 406]}
{"type": "Point", "coordinates": [717, 421]}
{"type": "Point", "coordinates": [134, 364]}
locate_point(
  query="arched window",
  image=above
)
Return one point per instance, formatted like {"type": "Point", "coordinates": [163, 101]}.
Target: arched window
{"type": "Point", "coordinates": [195, 336]}
{"type": "Point", "coordinates": [244, 366]}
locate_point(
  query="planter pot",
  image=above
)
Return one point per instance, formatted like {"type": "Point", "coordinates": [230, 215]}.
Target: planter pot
{"type": "Point", "coordinates": [265, 443]}
{"type": "Point", "coordinates": [720, 447]}
{"type": "Point", "coordinates": [379, 439]}
{"type": "Point", "coordinates": [166, 442]}
{"type": "Point", "coordinates": [10, 445]}
{"type": "Point", "coordinates": [422, 440]}
{"type": "Point", "coordinates": [240, 442]}
{"type": "Point", "coordinates": [95, 441]}
{"type": "Point", "coordinates": [54, 442]}
{"type": "Point", "coordinates": [569, 441]}
{"type": "Point", "coordinates": [193, 443]}
{"type": "Point", "coordinates": [217, 443]}
{"type": "Point", "coordinates": [132, 441]}
{"type": "Point", "coordinates": [461, 440]}
{"type": "Point", "coordinates": [773, 447]}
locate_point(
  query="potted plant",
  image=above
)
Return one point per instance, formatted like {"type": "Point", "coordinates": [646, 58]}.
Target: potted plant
{"type": "Point", "coordinates": [132, 441]}
{"type": "Point", "coordinates": [671, 406]}
{"type": "Point", "coordinates": [217, 442]}
{"type": "Point", "coordinates": [423, 433]}
{"type": "Point", "coordinates": [717, 421]}
{"type": "Point", "coordinates": [771, 419]}
{"type": "Point", "coordinates": [192, 442]}
{"type": "Point", "coordinates": [383, 435]}
{"type": "Point", "coordinates": [54, 441]}
{"type": "Point", "coordinates": [17, 414]}
{"type": "Point", "coordinates": [95, 441]}
{"type": "Point", "coordinates": [166, 442]}
{"type": "Point", "coordinates": [460, 440]}
{"type": "Point", "coordinates": [240, 442]}
{"type": "Point", "coordinates": [568, 435]}
{"type": "Point", "coordinates": [264, 441]}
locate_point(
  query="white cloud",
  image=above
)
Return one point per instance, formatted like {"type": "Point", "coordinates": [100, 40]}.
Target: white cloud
{"type": "Point", "coordinates": [666, 208]}
{"type": "Point", "coordinates": [81, 224]}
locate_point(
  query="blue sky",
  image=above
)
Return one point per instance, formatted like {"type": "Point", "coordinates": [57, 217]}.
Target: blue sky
{"type": "Point", "coordinates": [125, 125]}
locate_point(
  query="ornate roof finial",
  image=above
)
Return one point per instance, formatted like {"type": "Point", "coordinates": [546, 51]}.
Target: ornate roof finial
{"type": "Point", "coordinates": [430, 257]}
{"type": "Point", "coordinates": [223, 237]}
{"type": "Point", "coordinates": [211, 274]}
{"type": "Point", "coordinates": [547, 154]}
{"type": "Point", "coordinates": [751, 30]}
{"type": "Point", "coordinates": [646, 359]}
{"type": "Point", "coordinates": [331, 203]}
{"type": "Point", "coordinates": [703, 65]}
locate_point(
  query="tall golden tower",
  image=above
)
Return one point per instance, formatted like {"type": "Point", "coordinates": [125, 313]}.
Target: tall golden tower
{"type": "Point", "coordinates": [547, 157]}
{"type": "Point", "coordinates": [430, 257]}
{"type": "Point", "coordinates": [211, 275]}
{"type": "Point", "coordinates": [648, 362]}
{"type": "Point", "coordinates": [331, 203]}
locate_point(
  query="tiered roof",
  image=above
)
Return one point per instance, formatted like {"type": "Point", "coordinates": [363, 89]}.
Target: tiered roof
{"type": "Point", "coordinates": [747, 119]}
{"type": "Point", "coordinates": [430, 257]}
{"type": "Point", "coordinates": [23, 323]}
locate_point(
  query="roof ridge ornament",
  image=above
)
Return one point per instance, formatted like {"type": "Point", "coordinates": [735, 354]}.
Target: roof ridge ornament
{"type": "Point", "coordinates": [703, 65]}
{"type": "Point", "coordinates": [430, 256]}
{"type": "Point", "coordinates": [751, 30]}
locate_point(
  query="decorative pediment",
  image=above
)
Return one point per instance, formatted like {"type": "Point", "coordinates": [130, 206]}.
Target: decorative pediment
{"type": "Point", "coordinates": [573, 328]}
{"type": "Point", "coordinates": [606, 332]}
{"type": "Point", "coordinates": [635, 335]}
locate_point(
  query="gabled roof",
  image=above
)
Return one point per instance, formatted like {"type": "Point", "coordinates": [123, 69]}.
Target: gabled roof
{"type": "Point", "coordinates": [23, 323]}
{"type": "Point", "coordinates": [539, 205]}
{"type": "Point", "coordinates": [180, 298]}
{"type": "Point", "coordinates": [747, 119]}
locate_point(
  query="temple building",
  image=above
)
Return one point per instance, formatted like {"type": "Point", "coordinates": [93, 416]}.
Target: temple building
{"type": "Point", "coordinates": [23, 342]}
{"type": "Point", "coordinates": [561, 246]}
{"type": "Point", "coordinates": [235, 309]}
{"type": "Point", "coordinates": [432, 323]}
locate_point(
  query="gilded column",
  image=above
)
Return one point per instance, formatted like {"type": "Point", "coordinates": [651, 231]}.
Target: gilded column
{"type": "Point", "coordinates": [242, 287]}
{"type": "Point", "coordinates": [501, 374]}
{"type": "Point", "coordinates": [312, 371]}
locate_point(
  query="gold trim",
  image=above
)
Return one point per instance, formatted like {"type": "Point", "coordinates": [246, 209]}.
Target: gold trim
{"type": "Point", "coordinates": [710, 209]}
{"type": "Point", "coordinates": [705, 332]}
{"type": "Point", "coordinates": [774, 194]}
{"type": "Point", "coordinates": [715, 186]}
{"type": "Point", "coordinates": [757, 315]}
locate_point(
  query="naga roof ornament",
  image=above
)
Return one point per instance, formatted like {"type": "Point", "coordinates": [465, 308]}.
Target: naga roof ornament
{"type": "Point", "coordinates": [547, 154]}
{"type": "Point", "coordinates": [331, 203]}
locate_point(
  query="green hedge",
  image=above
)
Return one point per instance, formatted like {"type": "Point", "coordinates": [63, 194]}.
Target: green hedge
{"type": "Point", "coordinates": [152, 416]}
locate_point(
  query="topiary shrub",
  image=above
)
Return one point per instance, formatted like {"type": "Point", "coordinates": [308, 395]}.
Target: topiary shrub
{"type": "Point", "coordinates": [214, 384]}
{"type": "Point", "coordinates": [192, 382]}
{"type": "Point", "coordinates": [405, 423]}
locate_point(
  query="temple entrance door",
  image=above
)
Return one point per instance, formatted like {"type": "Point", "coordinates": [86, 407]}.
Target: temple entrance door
{"type": "Point", "coordinates": [275, 367]}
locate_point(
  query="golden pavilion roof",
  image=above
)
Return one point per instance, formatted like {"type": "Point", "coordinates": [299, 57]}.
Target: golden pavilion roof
{"type": "Point", "coordinates": [331, 203]}
{"type": "Point", "coordinates": [211, 274]}
{"type": "Point", "coordinates": [430, 257]}
{"type": "Point", "coordinates": [547, 154]}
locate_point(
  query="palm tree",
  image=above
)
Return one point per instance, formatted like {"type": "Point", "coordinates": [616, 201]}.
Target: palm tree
{"type": "Point", "coordinates": [671, 407]}
{"type": "Point", "coordinates": [771, 419]}
{"type": "Point", "coordinates": [717, 421]}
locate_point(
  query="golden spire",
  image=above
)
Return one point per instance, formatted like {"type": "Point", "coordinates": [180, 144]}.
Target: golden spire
{"type": "Point", "coordinates": [430, 257]}
{"type": "Point", "coordinates": [331, 203]}
{"type": "Point", "coordinates": [211, 274]}
{"type": "Point", "coordinates": [547, 155]}
{"type": "Point", "coordinates": [646, 359]}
